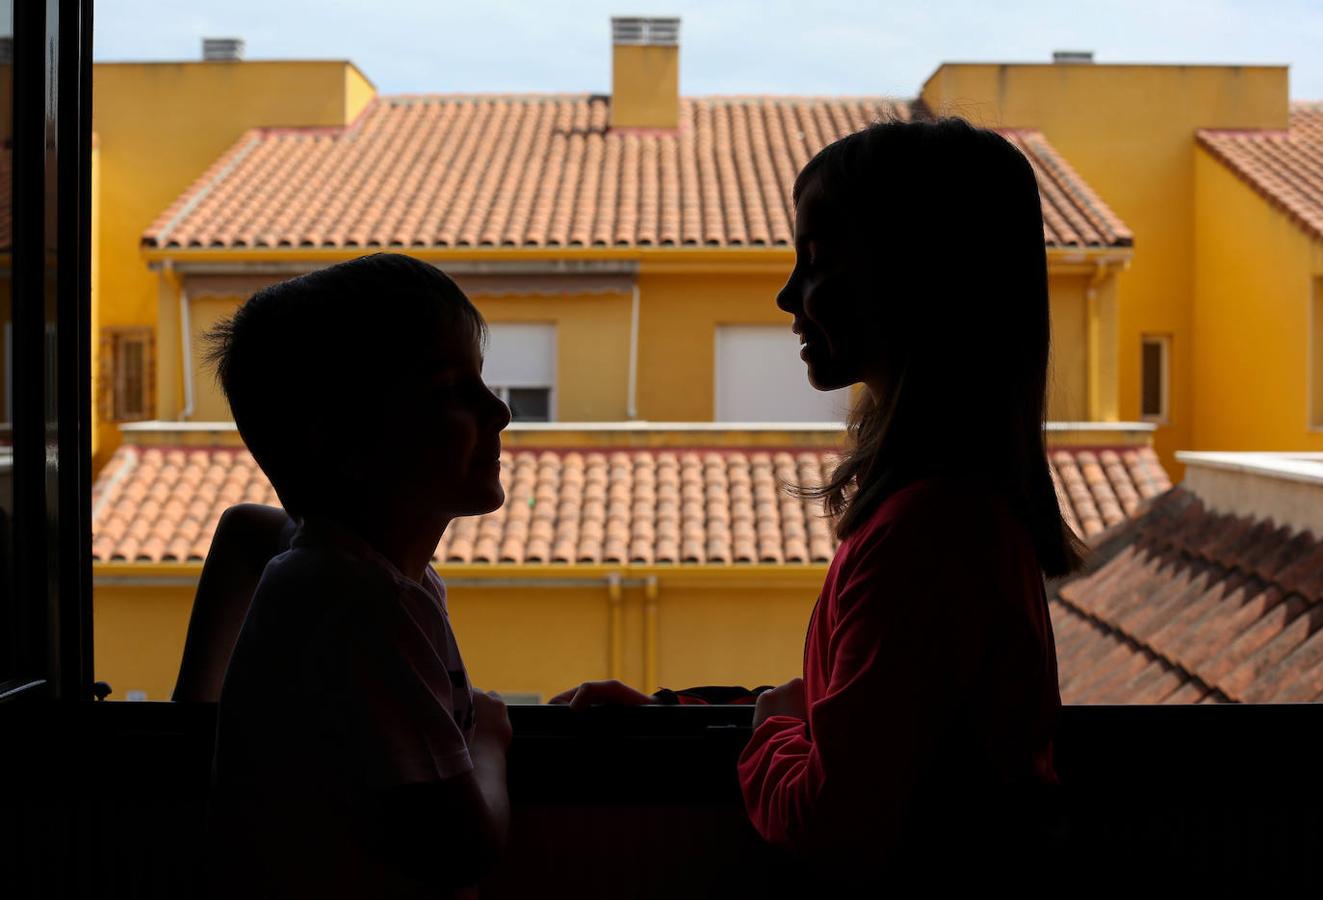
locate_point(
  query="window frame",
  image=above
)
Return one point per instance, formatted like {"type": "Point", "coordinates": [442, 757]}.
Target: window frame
{"type": "Point", "coordinates": [112, 390]}
{"type": "Point", "coordinates": [1163, 342]}
{"type": "Point", "coordinates": [49, 608]}
{"type": "Point", "coordinates": [502, 387]}
{"type": "Point", "coordinates": [721, 367]}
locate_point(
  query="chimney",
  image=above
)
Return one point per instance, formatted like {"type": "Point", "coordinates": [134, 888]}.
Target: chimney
{"type": "Point", "coordinates": [222, 49]}
{"type": "Point", "coordinates": [1072, 56]}
{"type": "Point", "coordinates": [645, 72]}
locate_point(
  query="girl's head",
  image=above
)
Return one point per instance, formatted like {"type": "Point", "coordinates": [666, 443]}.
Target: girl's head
{"type": "Point", "coordinates": [921, 273]}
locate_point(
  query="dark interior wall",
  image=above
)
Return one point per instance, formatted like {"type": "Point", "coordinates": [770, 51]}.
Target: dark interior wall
{"type": "Point", "coordinates": [108, 799]}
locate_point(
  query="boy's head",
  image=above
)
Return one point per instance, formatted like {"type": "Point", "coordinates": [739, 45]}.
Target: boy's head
{"type": "Point", "coordinates": [358, 388]}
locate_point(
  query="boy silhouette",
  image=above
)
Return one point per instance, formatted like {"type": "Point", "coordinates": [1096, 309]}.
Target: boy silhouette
{"type": "Point", "coordinates": [353, 759]}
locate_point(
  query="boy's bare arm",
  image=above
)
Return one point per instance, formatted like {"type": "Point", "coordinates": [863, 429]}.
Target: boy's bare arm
{"type": "Point", "coordinates": [246, 538]}
{"type": "Point", "coordinates": [450, 833]}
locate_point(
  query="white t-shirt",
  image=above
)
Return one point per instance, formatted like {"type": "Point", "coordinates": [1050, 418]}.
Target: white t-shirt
{"type": "Point", "coordinates": [346, 679]}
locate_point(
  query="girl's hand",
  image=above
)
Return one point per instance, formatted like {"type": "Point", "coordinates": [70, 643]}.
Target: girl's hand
{"type": "Point", "coordinates": [786, 700]}
{"type": "Point", "coordinates": [592, 693]}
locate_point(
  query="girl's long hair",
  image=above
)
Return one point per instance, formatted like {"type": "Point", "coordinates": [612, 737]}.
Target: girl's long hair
{"type": "Point", "coordinates": [952, 213]}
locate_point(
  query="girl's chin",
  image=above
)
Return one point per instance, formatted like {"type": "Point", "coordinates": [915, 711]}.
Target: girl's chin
{"type": "Point", "coordinates": [824, 377]}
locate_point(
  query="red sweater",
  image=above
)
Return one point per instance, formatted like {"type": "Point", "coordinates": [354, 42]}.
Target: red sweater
{"type": "Point", "coordinates": [931, 686]}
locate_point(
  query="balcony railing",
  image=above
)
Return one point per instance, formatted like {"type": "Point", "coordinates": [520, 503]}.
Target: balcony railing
{"type": "Point", "coordinates": [643, 802]}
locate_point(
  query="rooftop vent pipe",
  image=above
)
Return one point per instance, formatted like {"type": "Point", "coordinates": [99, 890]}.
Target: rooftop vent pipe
{"type": "Point", "coordinates": [222, 49]}
{"type": "Point", "coordinates": [645, 31]}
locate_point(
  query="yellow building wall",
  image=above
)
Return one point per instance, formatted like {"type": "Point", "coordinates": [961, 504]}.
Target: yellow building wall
{"type": "Point", "coordinates": [1068, 384]}
{"type": "Point", "coordinates": [138, 632]}
{"type": "Point", "coordinates": [592, 337]}
{"type": "Point", "coordinates": [161, 125]}
{"type": "Point", "coordinates": [679, 315]}
{"type": "Point", "coordinates": [535, 639]}
{"type": "Point", "coordinates": [1256, 276]}
{"type": "Point", "coordinates": [592, 349]}
{"type": "Point", "coordinates": [678, 319]}
{"type": "Point", "coordinates": [1129, 131]}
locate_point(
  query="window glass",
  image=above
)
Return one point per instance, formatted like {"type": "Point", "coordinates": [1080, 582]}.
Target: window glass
{"type": "Point", "coordinates": [760, 378]}
{"type": "Point", "coordinates": [1154, 379]}
{"type": "Point", "coordinates": [520, 367]}
{"type": "Point", "coordinates": [529, 404]}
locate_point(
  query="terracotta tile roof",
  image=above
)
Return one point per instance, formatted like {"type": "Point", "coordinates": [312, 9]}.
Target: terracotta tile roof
{"type": "Point", "coordinates": [1194, 606]}
{"type": "Point", "coordinates": [1286, 167]}
{"type": "Point", "coordinates": [714, 506]}
{"type": "Point", "coordinates": [546, 171]}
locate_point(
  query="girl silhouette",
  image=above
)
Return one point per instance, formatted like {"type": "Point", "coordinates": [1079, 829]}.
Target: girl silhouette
{"type": "Point", "coordinates": [919, 741]}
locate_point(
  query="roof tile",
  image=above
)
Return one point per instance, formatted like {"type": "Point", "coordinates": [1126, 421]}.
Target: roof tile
{"type": "Point", "coordinates": [1286, 167]}
{"type": "Point", "coordinates": [547, 171]}
{"type": "Point", "coordinates": [663, 506]}
{"type": "Point", "coordinates": [1214, 601]}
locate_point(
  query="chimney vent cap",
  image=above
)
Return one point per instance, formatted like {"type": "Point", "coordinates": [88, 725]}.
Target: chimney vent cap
{"type": "Point", "coordinates": [646, 31]}
{"type": "Point", "coordinates": [1072, 56]}
{"type": "Point", "coordinates": [222, 49]}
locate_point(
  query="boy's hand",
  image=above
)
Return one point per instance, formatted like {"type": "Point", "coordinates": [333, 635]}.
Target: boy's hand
{"type": "Point", "coordinates": [786, 700]}
{"type": "Point", "coordinates": [492, 719]}
{"type": "Point", "coordinates": [590, 693]}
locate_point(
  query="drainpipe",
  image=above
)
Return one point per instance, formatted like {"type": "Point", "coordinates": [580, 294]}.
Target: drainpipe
{"type": "Point", "coordinates": [186, 348]}
{"type": "Point", "coordinates": [631, 404]}
{"type": "Point", "coordinates": [616, 650]}
{"type": "Point", "coordinates": [650, 633]}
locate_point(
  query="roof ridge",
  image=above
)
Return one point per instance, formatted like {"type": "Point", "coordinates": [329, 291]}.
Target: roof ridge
{"type": "Point", "coordinates": [568, 179]}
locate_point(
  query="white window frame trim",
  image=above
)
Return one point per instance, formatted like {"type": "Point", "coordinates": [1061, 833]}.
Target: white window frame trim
{"type": "Point", "coordinates": [502, 388]}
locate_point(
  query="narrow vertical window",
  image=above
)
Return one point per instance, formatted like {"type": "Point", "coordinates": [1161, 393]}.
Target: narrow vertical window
{"type": "Point", "coordinates": [1316, 357]}
{"type": "Point", "coordinates": [128, 385]}
{"type": "Point", "coordinates": [1154, 378]}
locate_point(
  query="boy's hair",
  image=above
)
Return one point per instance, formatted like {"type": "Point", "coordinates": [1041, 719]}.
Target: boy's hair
{"type": "Point", "coordinates": [306, 364]}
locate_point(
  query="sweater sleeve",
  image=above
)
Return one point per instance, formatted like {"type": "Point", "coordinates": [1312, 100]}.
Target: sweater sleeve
{"type": "Point", "coordinates": [904, 648]}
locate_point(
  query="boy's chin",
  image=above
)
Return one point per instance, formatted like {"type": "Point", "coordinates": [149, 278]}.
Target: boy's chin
{"type": "Point", "coordinates": [489, 502]}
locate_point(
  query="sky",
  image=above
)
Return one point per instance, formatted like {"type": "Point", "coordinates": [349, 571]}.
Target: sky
{"type": "Point", "coordinates": [726, 46]}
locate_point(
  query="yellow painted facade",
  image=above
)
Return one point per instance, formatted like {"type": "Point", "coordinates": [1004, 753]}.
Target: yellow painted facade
{"type": "Point", "coordinates": [678, 317]}
{"type": "Point", "coordinates": [158, 127]}
{"type": "Point", "coordinates": [1258, 353]}
{"type": "Point", "coordinates": [535, 630]}
{"type": "Point", "coordinates": [1129, 130]}
{"type": "Point", "coordinates": [1236, 287]}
